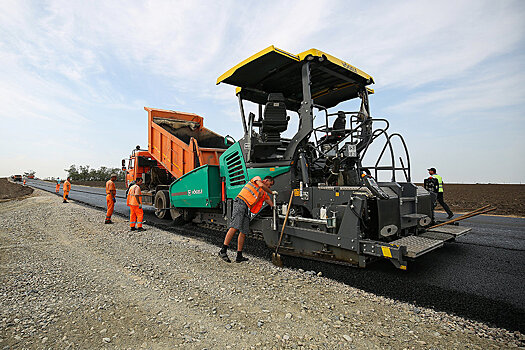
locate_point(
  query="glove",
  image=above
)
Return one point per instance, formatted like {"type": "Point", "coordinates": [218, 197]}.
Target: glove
{"type": "Point", "coordinates": [275, 193]}
{"type": "Point", "coordinates": [114, 200]}
{"type": "Point", "coordinates": [140, 206]}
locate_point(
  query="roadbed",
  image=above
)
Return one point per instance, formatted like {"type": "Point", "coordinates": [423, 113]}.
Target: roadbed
{"type": "Point", "coordinates": [69, 281]}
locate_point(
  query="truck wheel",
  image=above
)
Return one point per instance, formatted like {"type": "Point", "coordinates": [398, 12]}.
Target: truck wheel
{"type": "Point", "coordinates": [162, 202]}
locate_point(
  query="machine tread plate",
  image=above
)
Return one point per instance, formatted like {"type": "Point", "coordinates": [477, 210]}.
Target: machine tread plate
{"type": "Point", "coordinates": [456, 231]}
{"type": "Point", "coordinates": [414, 216]}
{"type": "Point", "coordinates": [417, 245]}
{"type": "Point", "coordinates": [438, 235]}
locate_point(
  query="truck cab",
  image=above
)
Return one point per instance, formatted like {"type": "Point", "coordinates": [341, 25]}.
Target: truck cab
{"type": "Point", "coordinates": [156, 179]}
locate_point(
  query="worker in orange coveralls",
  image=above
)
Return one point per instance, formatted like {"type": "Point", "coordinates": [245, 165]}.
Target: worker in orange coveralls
{"type": "Point", "coordinates": [24, 181]}
{"type": "Point", "coordinates": [57, 188]}
{"type": "Point", "coordinates": [66, 189]}
{"type": "Point", "coordinates": [111, 192]}
{"type": "Point", "coordinates": [134, 201]}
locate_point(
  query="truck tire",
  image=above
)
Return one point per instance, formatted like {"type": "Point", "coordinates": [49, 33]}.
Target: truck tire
{"type": "Point", "coordinates": [161, 202]}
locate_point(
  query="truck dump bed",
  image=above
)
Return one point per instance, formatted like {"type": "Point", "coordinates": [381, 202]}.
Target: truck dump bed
{"type": "Point", "coordinates": [180, 142]}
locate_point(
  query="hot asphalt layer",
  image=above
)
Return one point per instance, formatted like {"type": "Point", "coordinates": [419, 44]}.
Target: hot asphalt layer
{"type": "Point", "coordinates": [480, 276]}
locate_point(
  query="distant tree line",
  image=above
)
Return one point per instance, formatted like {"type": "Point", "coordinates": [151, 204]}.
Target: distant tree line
{"type": "Point", "coordinates": [86, 173]}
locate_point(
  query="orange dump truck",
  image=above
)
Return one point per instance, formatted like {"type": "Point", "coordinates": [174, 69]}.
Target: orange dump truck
{"type": "Point", "coordinates": [178, 143]}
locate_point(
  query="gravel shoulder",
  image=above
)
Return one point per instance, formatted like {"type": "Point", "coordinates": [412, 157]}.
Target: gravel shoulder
{"type": "Point", "coordinates": [68, 281]}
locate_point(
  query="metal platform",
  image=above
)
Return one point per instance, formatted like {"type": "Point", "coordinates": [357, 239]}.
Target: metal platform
{"type": "Point", "coordinates": [417, 245]}
{"type": "Point", "coordinates": [438, 236]}
{"type": "Point", "coordinates": [456, 231]}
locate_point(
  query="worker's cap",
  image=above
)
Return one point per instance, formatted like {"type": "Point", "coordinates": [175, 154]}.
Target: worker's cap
{"type": "Point", "coordinates": [432, 169]}
{"type": "Point", "coordinates": [113, 175]}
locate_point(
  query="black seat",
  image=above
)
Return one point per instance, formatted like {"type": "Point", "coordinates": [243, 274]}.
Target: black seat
{"type": "Point", "coordinates": [273, 123]}
{"type": "Point", "coordinates": [337, 130]}
{"type": "Point", "coordinates": [274, 120]}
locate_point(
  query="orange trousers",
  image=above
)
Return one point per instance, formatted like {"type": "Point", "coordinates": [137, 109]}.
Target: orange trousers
{"type": "Point", "coordinates": [111, 206]}
{"type": "Point", "coordinates": [57, 188]}
{"type": "Point", "coordinates": [65, 195]}
{"type": "Point", "coordinates": [136, 215]}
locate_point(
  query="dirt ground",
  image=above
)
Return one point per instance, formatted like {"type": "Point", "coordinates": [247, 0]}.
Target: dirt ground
{"type": "Point", "coordinates": [9, 190]}
{"type": "Point", "coordinates": [69, 282]}
{"type": "Point", "coordinates": [509, 199]}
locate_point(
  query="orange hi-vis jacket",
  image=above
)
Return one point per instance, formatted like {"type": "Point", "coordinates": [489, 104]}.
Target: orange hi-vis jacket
{"type": "Point", "coordinates": [132, 200]}
{"type": "Point", "coordinates": [253, 195]}
{"type": "Point", "coordinates": [110, 188]}
{"type": "Point", "coordinates": [67, 186]}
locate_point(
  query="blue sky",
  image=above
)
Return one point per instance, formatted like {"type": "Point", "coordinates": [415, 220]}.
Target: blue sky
{"type": "Point", "coordinates": [75, 75]}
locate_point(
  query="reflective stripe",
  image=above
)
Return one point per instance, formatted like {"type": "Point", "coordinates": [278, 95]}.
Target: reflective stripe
{"type": "Point", "coordinates": [251, 194]}
{"type": "Point", "coordinates": [249, 190]}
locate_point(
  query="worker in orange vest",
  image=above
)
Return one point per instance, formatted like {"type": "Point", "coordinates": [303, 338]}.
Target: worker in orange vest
{"type": "Point", "coordinates": [250, 199]}
{"type": "Point", "coordinates": [57, 188]}
{"type": "Point", "coordinates": [111, 192]}
{"type": "Point", "coordinates": [66, 189]}
{"type": "Point", "coordinates": [134, 201]}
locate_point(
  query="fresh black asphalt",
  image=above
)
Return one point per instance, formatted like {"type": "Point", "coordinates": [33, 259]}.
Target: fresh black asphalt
{"type": "Point", "coordinates": [481, 276]}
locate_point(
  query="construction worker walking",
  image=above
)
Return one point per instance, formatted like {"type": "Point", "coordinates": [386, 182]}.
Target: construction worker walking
{"type": "Point", "coordinates": [134, 201]}
{"type": "Point", "coordinates": [57, 187]}
{"type": "Point", "coordinates": [66, 189]}
{"type": "Point", "coordinates": [250, 198]}
{"type": "Point", "coordinates": [433, 173]}
{"type": "Point", "coordinates": [111, 192]}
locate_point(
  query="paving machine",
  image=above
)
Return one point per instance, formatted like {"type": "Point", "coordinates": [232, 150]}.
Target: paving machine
{"type": "Point", "coordinates": [339, 211]}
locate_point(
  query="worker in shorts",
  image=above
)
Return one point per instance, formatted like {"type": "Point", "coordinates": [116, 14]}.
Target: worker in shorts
{"type": "Point", "coordinates": [57, 187]}
{"type": "Point", "coordinates": [111, 192]}
{"type": "Point", "coordinates": [433, 173]}
{"type": "Point", "coordinates": [66, 189]}
{"type": "Point", "coordinates": [250, 199]}
{"type": "Point", "coordinates": [134, 201]}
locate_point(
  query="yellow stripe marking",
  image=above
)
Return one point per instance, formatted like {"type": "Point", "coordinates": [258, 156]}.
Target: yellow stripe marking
{"type": "Point", "coordinates": [386, 252]}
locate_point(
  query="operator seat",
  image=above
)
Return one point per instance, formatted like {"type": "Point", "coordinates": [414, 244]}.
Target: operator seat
{"type": "Point", "coordinates": [273, 123]}
{"type": "Point", "coordinates": [337, 130]}
{"type": "Point", "coordinates": [274, 120]}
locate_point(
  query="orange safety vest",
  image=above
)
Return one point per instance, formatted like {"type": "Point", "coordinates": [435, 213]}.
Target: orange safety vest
{"type": "Point", "coordinates": [253, 196]}
{"type": "Point", "coordinates": [110, 188]}
{"type": "Point", "coordinates": [134, 191]}
{"type": "Point", "coordinates": [67, 186]}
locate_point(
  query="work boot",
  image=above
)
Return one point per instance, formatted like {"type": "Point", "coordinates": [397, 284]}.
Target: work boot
{"type": "Point", "coordinates": [65, 201]}
{"type": "Point", "coordinates": [224, 256]}
{"type": "Point", "coordinates": [108, 222]}
{"type": "Point", "coordinates": [132, 229]}
{"type": "Point", "coordinates": [141, 229]}
{"type": "Point", "coordinates": [240, 258]}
